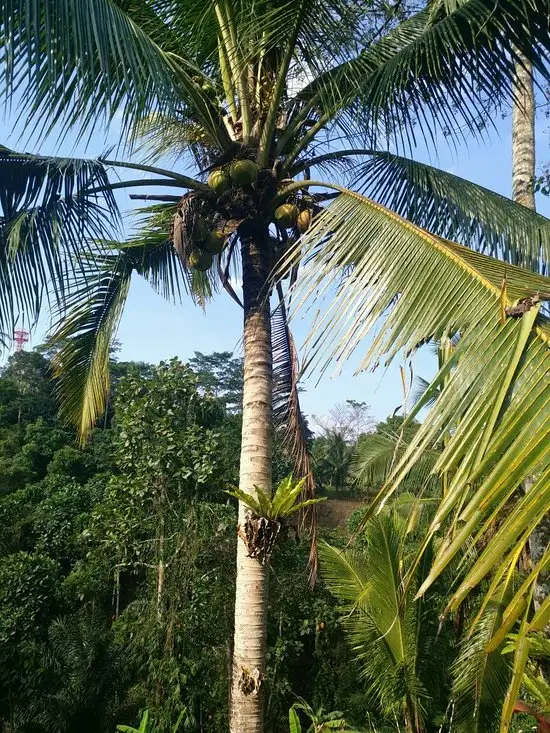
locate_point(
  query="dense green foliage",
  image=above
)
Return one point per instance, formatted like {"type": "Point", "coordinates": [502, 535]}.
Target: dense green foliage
{"type": "Point", "coordinates": [117, 573]}
{"type": "Point", "coordinates": [117, 561]}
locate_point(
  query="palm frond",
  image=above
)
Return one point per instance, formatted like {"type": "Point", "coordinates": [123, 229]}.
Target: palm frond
{"type": "Point", "coordinates": [373, 459]}
{"type": "Point", "coordinates": [288, 417]}
{"type": "Point", "coordinates": [457, 209]}
{"type": "Point", "coordinates": [481, 679]}
{"type": "Point", "coordinates": [390, 634]}
{"type": "Point", "coordinates": [91, 314]}
{"type": "Point", "coordinates": [345, 574]}
{"type": "Point", "coordinates": [81, 366]}
{"type": "Point", "coordinates": [50, 208]}
{"type": "Point", "coordinates": [493, 408]}
{"type": "Point", "coordinates": [438, 68]}
{"type": "Point", "coordinates": [377, 454]}
{"type": "Point", "coordinates": [107, 64]}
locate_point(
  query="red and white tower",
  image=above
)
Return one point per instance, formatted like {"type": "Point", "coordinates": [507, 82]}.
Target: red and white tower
{"type": "Point", "coordinates": [20, 338]}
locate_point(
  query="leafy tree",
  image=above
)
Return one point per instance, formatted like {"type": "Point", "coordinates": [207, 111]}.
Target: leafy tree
{"type": "Point", "coordinates": [349, 419]}
{"type": "Point", "coordinates": [256, 87]}
{"type": "Point", "coordinates": [332, 457]}
{"type": "Point", "coordinates": [31, 394]}
{"type": "Point", "coordinates": [221, 375]}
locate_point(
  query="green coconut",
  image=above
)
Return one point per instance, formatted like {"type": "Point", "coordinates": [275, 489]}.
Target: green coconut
{"type": "Point", "coordinates": [243, 172]}
{"type": "Point", "coordinates": [215, 242]}
{"type": "Point", "coordinates": [286, 215]}
{"type": "Point", "coordinates": [304, 220]}
{"type": "Point", "coordinates": [199, 231]}
{"type": "Point", "coordinates": [219, 181]}
{"type": "Point", "coordinates": [200, 260]}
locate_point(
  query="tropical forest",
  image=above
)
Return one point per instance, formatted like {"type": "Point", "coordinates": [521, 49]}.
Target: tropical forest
{"type": "Point", "coordinates": [275, 366]}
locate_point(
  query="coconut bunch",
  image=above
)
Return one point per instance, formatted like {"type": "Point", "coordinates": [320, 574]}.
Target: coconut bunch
{"type": "Point", "coordinates": [240, 190]}
{"type": "Point", "coordinates": [197, 232]}
{"type": "Point", "coordinates": [246, 173]}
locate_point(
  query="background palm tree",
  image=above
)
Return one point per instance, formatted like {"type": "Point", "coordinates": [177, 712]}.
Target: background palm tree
{"type": "Point", "coordinates": [276, 85]}
{"type": "Point", "coordinates": [395, 639]}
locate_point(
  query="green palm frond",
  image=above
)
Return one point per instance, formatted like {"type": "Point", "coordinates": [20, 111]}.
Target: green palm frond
{"type": "Point", "coordinates": [81, 366]}
{"type": "Point", "coordinates": [444, 204]}
{"type": "Point", "coordinates": [50, 207]}
{"type": "Point", "coordinates": [377, 454]}
{"type": "Point", "coordinates": [391, 636]}
{"type": "Point", "coordinates": [481, 679]}
{"type": "Point", "coordinates": [106, 64]}
{"type": "Point", "coordinates": [92, 310]}
{"type": "Point", "coordinates": [457, 209]}
{"type": "Point", "coordinates": [345, 574]}
{"type": "Point", "coordinates": [438, 68]}
{"type": "Point", "coordinates": [494, 396]}
{"type": "Point", "coordinates": [152, 253]}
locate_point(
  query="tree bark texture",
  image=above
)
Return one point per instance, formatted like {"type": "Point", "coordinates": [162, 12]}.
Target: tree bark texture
{"type": "Point", "coordinates": [523, 137]}
{"type": "Point", "coordinates": [248, 669]}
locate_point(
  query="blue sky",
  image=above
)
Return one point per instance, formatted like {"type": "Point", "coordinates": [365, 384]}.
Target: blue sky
{"type": "Point", "coordinates": [153, 330]}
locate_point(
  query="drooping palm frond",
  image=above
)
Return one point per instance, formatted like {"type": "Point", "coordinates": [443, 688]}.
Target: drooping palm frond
{"type": "Point", "coordinates": [494, 403]}
{"type": "Point", "coordinates": [288, 417]}
{"type": "Point", "coordinates": [91, 314]}
{"type": "Point", "coordinates": [50, 208]}
{"type": "Point", "coordinates": [106, 64]}
{"type": "Point", "coordinates": [85, 334]}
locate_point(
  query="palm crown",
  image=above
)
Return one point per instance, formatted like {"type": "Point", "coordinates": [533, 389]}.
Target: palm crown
{"type": "Point", "coordinates": [276, 84]}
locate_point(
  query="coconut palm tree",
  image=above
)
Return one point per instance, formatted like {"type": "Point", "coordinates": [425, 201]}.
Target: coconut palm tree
{"type": "Point", "coordinates": [260, 95]}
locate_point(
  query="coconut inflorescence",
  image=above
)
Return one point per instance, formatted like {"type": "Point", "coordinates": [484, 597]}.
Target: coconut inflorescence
{"type": "Point", "coordinates": [199, 232]}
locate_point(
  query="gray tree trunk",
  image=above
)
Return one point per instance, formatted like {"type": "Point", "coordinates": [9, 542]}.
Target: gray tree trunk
{"type": "Point", "coordinates": [249, 649]}
{"type": "Point", "coordinates": [523, 138]}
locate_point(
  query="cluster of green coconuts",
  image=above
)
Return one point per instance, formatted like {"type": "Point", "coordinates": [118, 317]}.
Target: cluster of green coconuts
{"type": "Point", "coordinates": [241, 173]}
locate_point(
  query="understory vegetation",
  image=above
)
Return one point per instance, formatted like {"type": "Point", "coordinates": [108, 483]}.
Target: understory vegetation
{"type": "Point", "coordinates": [117, 573]}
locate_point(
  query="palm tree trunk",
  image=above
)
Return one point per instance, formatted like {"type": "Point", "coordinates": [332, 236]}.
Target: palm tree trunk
{"type": "Point", "coordinates": [246, 713]}
{"type": "Point", "coordinates": [523, 137]}
{"type": "Point", "coordinates": [523, 192]}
